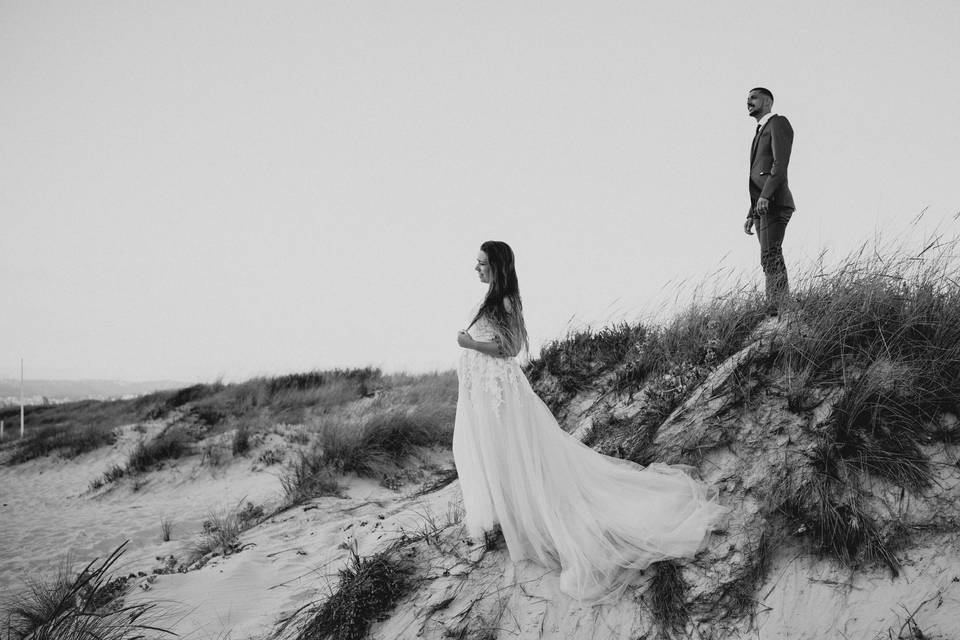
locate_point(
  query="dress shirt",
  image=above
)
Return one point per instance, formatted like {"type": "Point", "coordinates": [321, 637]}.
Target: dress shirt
{"type": "Point", "coordinates": [762, 121]}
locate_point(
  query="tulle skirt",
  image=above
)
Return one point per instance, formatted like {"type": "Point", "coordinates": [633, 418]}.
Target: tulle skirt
{"type": "Point", "coordinates": [598, 520]}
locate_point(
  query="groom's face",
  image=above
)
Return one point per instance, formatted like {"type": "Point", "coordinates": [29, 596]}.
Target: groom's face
{"type": "Point", "coordinates": [757, 104]}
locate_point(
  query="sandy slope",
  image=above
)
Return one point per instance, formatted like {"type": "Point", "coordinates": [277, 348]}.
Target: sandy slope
{"type": "Point", "coordinates": [48, 509]}
{"type": "Point", "coordinates": [291, 559]}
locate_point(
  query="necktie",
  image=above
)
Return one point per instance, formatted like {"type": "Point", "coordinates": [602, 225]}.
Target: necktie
{"type": "Point", "coordinates": [758, 130]}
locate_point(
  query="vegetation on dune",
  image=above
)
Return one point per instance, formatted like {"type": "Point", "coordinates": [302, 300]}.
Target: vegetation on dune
{"type": "Point", "coordinates": [79, 606]}
{"type": "Point", "coordinates": [221, 531]}
{"type": "Point", "coordinates": [664, 362]}
{"type": "Point", "coordinates": [368, 587]}
{"type": "Point", "coordinates": [77, 427]}
{"type": "Point", "coordinates": [668, 596]}
{"type": "Point", "coordinates": [877, 337]}
{"type": "Point", "coordinates": [372, 444]}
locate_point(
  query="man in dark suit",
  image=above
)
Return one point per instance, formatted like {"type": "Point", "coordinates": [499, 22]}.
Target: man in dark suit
{"type": "Point", "coordinates": [771, 203]}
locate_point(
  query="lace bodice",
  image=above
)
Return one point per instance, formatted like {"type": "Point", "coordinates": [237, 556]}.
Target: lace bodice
{"type": "Point", "coordinates": [486, 375]}
{"type": "Point", "coordinates": [482, 330]}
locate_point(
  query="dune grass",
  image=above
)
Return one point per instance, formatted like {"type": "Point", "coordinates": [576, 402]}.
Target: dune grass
{"type": "Point", "coordinates": [221, 531]}
{"type": "Point", "coordinates": [372, 444]}
{"type": "Point", "coordinates": [77, 427]}
{"type": "Point", "coordinates": [69, 429]}
{"type": "Point", "coordinates": [668, 596]}
{"type": "Point", "coordinates": [878, 332]}
{"type": "Point", "coordinates": [309, 476]}
{"type": "Point", "coordinates": [79, 606]}
{"type": "Point", "coordinates": [576, 361]}
{"type": "Point", "coordinates": [367, 588]}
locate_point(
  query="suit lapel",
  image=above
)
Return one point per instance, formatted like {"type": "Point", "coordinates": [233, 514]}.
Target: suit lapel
{"type": "Point", "coordinates": [756, 139]}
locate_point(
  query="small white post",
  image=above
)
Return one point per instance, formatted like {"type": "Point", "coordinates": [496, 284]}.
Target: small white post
{"type": "Point", "coordinates": [21, 397]}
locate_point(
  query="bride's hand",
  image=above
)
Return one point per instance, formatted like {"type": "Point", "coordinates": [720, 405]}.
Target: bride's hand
{"type": "Point", "coordinates": [464, 339]}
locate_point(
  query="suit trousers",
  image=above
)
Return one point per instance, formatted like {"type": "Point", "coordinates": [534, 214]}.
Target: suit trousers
{"type": "Point", "coordinates": [771, 228]}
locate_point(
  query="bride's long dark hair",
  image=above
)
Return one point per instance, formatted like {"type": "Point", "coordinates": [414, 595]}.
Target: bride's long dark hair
{"type": "Point", "coordinates": [504, 291]}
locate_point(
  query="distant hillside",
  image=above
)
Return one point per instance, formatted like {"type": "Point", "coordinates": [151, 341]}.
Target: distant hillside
{"type": "Point", "coordinates": [62, 390]}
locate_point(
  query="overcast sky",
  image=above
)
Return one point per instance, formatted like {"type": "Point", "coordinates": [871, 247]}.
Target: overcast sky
{"type": "Point", "coordinates": [199, 189]}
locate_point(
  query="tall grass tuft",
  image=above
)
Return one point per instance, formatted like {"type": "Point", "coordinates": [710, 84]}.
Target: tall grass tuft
{"type": "Point", "coordinates": [220, 532]}
{"type": "Point", "coordinates": [310, 476]}
{"type": "Point", "coordinates": [668, 596]}
{"type": "Point", "coordinates": [367, 589]}
{"type": "Point", "coordinates": [373, 446]}
{"type": "Point", "coordinates": [80, 606]}
{"type": "Point", "coordinates": [829, 503]}
{"type": "Point", "coordinates": [166, 529]}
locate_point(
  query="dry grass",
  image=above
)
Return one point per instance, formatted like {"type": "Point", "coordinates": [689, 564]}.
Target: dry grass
{"type": "Point", "coordinates": [828, 501]}
{"type": "Point", "coordinates": [880, 330]}
{"type": "Point", "coordinates": [221, 531]}
{"type": "Point", "coordinates": [79, 606]}
{"type": "Point", "coordinates": [366, 590]}
{"type": "Point", "coordinates": [373, 444]}
{"type": "Point", "coordinates": [166, 529]}
{"type": "Point", "coordinates": [74, 428]}
{"type": "Point", "coordinates": [574, 363]}
{"type": "Point", "coordinates": [310, 476]}
{"type": "Point", "coordinates": [668, 596]}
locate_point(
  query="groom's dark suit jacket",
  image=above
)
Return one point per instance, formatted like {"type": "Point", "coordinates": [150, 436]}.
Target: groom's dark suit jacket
{"type": "Point", "coordinates": [769, 159]}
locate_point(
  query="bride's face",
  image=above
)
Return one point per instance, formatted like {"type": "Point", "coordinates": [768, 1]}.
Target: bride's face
{"type": "Point", "coordinates": [483, 267]}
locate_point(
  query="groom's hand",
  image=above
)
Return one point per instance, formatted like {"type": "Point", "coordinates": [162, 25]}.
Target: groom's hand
{"type": "Point", "coordinates": [748, 226]}
{"type": "Point", "coordinates": [464, 340]}
{"type": "Point", "coordinates": [763, 206]}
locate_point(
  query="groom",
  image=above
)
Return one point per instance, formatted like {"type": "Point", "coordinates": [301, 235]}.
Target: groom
{"type": "Point", "coordinates": [771, 203]}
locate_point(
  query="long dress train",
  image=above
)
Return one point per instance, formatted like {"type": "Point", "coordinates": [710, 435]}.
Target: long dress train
{"type": "Point", "coordinates": [599, 520]}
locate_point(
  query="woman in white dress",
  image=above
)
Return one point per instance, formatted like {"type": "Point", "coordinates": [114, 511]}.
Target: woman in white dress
{"type": "Point", "coordinates": [599, 520]}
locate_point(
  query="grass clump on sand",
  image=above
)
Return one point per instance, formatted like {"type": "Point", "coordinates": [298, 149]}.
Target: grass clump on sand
{"type": "Point", "coordinates": [372, 445]}
{"type": "Point", "coordinates": [221, 531]}
{"type": "Point", "coordinates": [310, 476]}
{"type": "Point", "coordinates": [828, 502]}
{"type": "Point", "coordinates": [79, 606]}
{"type": "Point", "coordinates": [170, 444]}
{"type": "Point", "coordinates": [668, 596]}
{"type": "Point", "coordinates": [366, 590]}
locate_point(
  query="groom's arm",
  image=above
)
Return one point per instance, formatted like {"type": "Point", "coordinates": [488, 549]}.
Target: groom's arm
{"type": "Point", "coordinates": [781, 142]}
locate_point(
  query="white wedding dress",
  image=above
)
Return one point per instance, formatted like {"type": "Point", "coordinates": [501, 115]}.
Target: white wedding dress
{"type": "Point", "coordinates": [559, 503]}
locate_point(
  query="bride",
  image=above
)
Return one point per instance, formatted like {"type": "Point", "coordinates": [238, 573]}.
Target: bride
{"type": "Point", "coordinates": [599, 520]}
